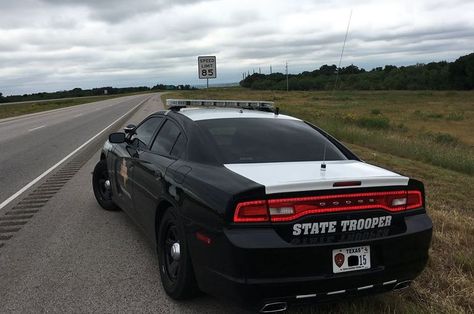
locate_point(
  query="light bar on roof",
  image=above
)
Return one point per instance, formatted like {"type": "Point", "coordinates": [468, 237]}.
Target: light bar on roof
{"type": "Point", "coordinates": [243, 104]}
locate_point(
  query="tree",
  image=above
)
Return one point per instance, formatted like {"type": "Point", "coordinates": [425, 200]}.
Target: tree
{"type": "Point", "coordinates": [351, 69]}
{"type": "Point", "coordinates": [433, 75]}
{"type": "Point", "coordinates": [328, 69]}
{"type": "Point", "coordinates": [462, 72]}
{"type": "Point", "coordinates": [389, 68]}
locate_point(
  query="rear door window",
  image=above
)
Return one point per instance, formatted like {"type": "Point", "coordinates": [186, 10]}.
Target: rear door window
{"type": "Point", "coordinates": [166, 138]}
{"type": "Point", "coordinates": [179, 147]}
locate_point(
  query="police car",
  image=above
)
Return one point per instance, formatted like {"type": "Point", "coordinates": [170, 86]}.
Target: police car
{"type": "Point", "coordinates": [261, 208]}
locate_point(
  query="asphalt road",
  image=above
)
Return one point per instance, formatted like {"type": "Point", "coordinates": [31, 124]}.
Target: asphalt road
{"type": "Point", "coordinates": [31, 144]}
{"type": "Point", "coordinates": [74, 257]}
{"type": "Point", "coordinates": [45, 100]}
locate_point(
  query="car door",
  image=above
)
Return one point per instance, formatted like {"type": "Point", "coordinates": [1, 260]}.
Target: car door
{"type": "Point", "coordinates": [150, 169]}
{"type": "Point", "coordinates": [123, 164]}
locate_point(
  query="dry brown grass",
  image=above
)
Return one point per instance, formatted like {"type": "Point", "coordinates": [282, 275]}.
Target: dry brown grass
{"type": "Point", "coordinates": [447, 284]}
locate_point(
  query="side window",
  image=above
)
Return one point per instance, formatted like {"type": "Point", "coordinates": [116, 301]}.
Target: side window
{"type": "Point", "coordinates": [145, 131]}
{"type": "Point", "coordinates": [166, 138]}
{"type": "Point", "coordinates": [179, 147]}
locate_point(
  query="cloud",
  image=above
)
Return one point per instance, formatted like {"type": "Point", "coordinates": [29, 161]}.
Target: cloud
{"type": "Point", "coordinates": [62, 44]}
{"type": "Point", "coordinates": [117, 11]}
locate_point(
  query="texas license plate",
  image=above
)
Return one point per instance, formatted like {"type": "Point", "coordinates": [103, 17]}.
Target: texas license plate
{"type": "Point", "coordinates": [350, 259]}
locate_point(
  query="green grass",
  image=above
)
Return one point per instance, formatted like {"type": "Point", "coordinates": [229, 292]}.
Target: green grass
{"type": "Point", "coordinates": [378, 123]}
{"type": "Point", "coordinates": [12, 110]}
{"type": "Point", "coordinates": [429, 136]}
{"type": "Point", "coordinates": [437, 149]}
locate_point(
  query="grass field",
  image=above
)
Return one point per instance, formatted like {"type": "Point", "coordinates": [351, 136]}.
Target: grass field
{"type": "Point", "coordinates": [12, 110]}
{"type": "Point", "coordinates": [422, 134]}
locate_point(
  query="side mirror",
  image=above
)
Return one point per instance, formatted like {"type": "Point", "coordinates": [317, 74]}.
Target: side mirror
{"type": "Point", "coordinates": [130, 129]}
{"type": "Point", "coordinates": [117, 138]}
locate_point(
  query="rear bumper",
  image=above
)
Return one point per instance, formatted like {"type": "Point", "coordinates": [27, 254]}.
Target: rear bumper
{"type": "Point", "coordinates": [255, 266]}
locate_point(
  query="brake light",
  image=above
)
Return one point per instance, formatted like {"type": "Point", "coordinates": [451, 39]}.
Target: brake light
{"type": "Point", "coordinates": [287, 209]}
{"type": "Point", "coordinates": [253, 211]}
{"type": "Point", "coordinates": [414, 199]}
{"type": "Point", "coordinates": [347, 183]}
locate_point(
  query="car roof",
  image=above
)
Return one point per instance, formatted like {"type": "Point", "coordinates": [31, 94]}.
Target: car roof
{"type": "Point", "coordinates": [197, 114]}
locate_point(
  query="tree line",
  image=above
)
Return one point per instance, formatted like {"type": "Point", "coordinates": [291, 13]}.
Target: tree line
{"type": "Point", "coordinates": [457, 75]}
{"type": "Point", "coordinates": [79, 92]}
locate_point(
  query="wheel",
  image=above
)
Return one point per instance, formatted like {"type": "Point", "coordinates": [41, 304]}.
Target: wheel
{"type": "Point", "coordinates": [101, 186]}
{"type": "Point", "coordinates": [176, 271]}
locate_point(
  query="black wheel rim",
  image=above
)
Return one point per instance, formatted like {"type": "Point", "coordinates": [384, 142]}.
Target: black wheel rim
{"type": "Point", "coordinates": [171, 264]}
{"type": "Point", "coordinates": [104, 186]}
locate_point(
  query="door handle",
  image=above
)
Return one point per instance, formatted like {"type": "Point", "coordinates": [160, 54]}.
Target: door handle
{"type": "Point", "coordinates": [158, 175]}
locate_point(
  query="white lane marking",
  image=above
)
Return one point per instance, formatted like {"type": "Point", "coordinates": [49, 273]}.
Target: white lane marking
{"type": "Point", "coordinates": [37, 128]}
{"type": "Point", "coordinates": [365, 287]}
{"type": "Point", "coordinates": [389, 282]}
{"type": "Point", "coordinates": [41, 176]}
{"type": "Point", "coordinates": [336, 292]}
{"type": "Point", "coordinates": [77, 115]}
{"type": "Point", "coordinates": [303, 296]}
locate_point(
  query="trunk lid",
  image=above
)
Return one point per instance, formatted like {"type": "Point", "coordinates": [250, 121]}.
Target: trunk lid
{"type": "Point", "coordinates": [307, 175]}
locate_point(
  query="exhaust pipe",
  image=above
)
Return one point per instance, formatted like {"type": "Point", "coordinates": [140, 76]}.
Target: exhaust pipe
{"type": "Point", "coordinates": [274, 307]}
{"type": "Point", "coordinates": [402, 285]}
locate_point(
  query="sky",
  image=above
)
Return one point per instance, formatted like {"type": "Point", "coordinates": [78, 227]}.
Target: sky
{"type": "Point", "coordinates": [50, 45]}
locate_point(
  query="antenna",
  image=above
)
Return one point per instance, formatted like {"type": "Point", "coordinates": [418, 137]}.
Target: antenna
{"type": "Point", "coordinates": [342, 52]}
{"type": "Point", "coordinates": [323, 164]}
{"type": "Point", "coordinates": [286, 69]}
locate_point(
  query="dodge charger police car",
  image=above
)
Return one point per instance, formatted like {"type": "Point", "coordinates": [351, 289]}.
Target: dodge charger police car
{"type": "Point", "coordinates": [262, 208]}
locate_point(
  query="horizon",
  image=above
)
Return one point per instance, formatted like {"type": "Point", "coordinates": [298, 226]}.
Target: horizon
{"type": "Point", "coordinates": [51, 45]}
{"type": "Point", "coordinates": [220, 84]}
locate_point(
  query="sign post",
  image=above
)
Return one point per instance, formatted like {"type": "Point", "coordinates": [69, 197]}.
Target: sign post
{"type": "Point", "coordinates": [207, 68]}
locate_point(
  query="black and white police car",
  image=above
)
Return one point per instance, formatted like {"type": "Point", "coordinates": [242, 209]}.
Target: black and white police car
{"type": "Point", "coordinates": [262, 208]}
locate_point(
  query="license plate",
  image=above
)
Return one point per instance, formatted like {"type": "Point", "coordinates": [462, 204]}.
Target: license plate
{"type": "Point", "coordinates": [350, 259]}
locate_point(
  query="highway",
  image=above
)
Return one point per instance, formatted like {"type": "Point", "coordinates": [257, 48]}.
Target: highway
{"type": "Point", "coordinates": [62, 253]}
{"type": "Point", "coordinates": [45, 100]}
{"type": "Point", "coordinates": [31, 144]}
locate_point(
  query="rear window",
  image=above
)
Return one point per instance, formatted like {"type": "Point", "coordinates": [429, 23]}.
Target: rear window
{"type": "Point", "coordinates": [256, 140]}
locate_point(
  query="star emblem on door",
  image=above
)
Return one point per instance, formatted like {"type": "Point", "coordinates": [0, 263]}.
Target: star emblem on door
{"type": "Point", "coordinates": [124, 172]}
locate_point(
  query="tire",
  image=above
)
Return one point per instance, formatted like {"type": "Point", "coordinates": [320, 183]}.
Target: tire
{"type": "Point", "coordinates": [177, 274]}
{"type": "Point", "coordinates": [103, 194]}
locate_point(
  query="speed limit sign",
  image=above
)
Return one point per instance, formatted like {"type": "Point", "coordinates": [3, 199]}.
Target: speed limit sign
{"type": "Point", "coordinates": [207, 67]}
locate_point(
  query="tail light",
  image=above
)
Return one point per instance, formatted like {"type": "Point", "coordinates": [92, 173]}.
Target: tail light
{"type": "Point", "coordinates": [287, 209]}
{"type": "Point", "coordinates": [254, 211]}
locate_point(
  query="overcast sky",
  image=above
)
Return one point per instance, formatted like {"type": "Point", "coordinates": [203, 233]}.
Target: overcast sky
{"type": "Point", "coordinates": [49, 45]}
